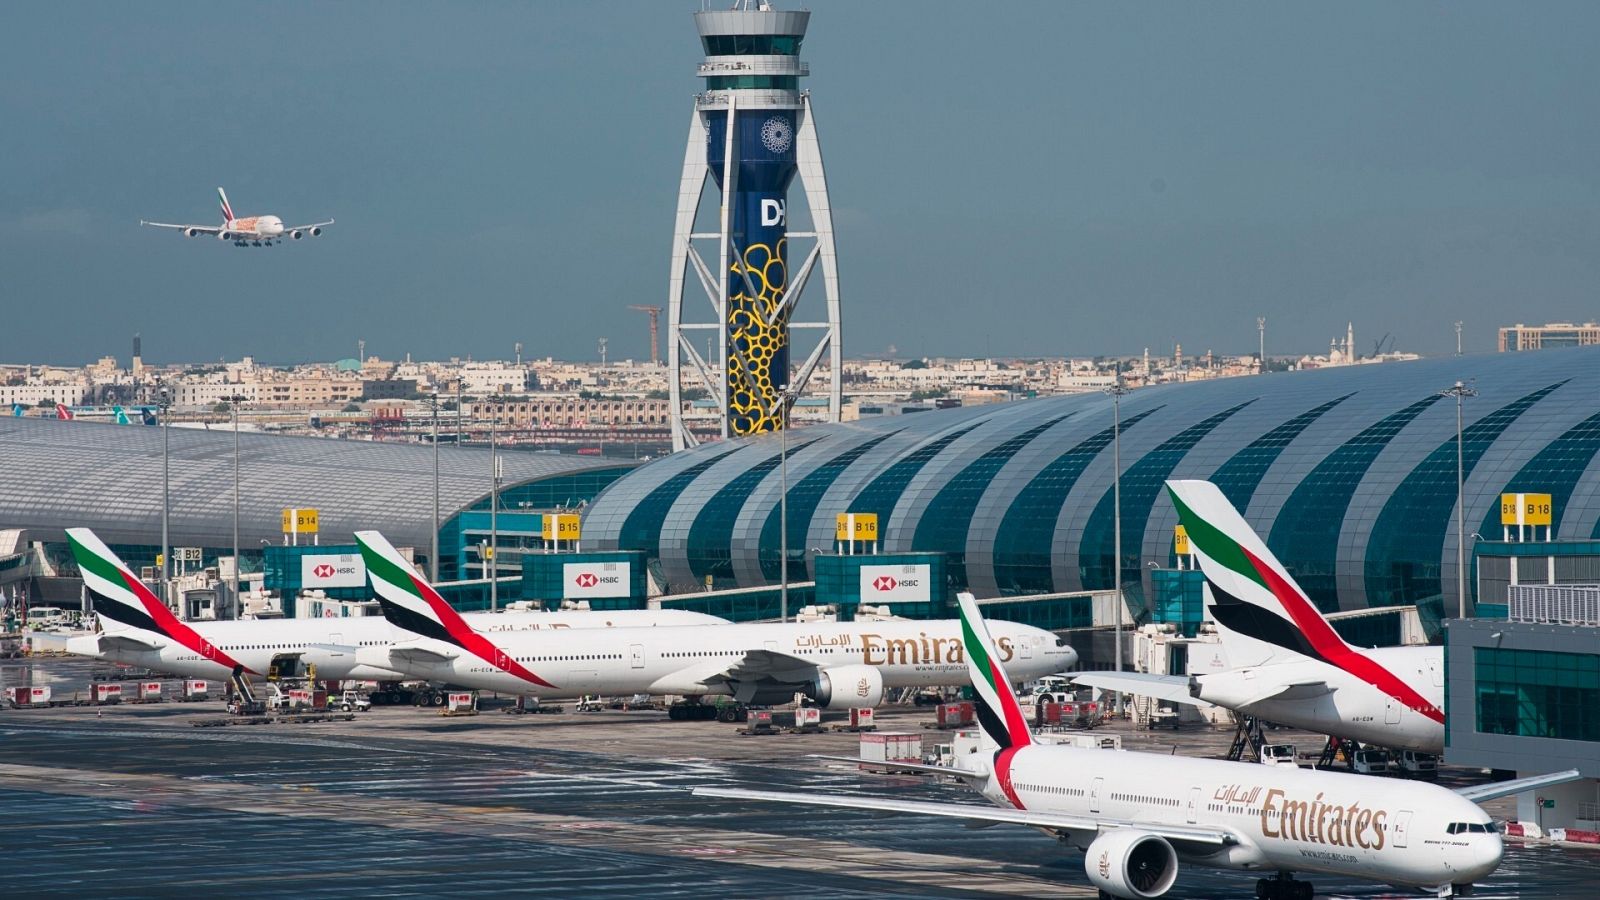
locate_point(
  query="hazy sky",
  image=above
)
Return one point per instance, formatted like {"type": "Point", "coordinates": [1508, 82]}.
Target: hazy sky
{"type": "Point", "coordinates": [1009, 178]}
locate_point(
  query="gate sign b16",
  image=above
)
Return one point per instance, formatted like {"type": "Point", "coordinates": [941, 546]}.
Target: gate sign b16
{"type": "Point", "coordinates": [582, 581]}
{"type": "Point", "coordinates": [896, 584]}
{"type": "Point", "coordinates": [332, 570]}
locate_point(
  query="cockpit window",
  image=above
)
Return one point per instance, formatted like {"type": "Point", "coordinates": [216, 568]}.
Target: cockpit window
{"type": "Point", "coordinates": [1470, 828]}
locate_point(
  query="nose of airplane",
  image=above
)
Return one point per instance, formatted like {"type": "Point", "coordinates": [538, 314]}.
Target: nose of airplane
{"type": "Point", "coordinates": [1482, 857]}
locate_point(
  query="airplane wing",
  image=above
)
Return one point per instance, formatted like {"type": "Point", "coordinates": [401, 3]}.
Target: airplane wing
{"type": "Point", "coordinates": [904, 766]}
{"type": "Point", "coordinates": [1482, 792]}
{"type": "Point", "coordinates": [1162, 687]}
{"type": "Point", "coordinates": [308, 227]}
{"type": "Point", "coordinates": [197, 229]}
{"type": "Point", "coordinates": [419, 654]}
{"type": "Point", "coordinates": [1210, 837]}
{"type": "Point", "coordinates": [754, 668]}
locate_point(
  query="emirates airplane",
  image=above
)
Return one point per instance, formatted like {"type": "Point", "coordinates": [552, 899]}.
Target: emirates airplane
{"type": "Point", "coordinates": [840, 665]}
{"type": "Point", "coordinates": [250, 231]}
{"type": "Point", "coordinates": [1286, 663]}
{"type": "Point", "coordinates": [137, 629]}
{"type": "Point", "coordinates": [1137, 815]}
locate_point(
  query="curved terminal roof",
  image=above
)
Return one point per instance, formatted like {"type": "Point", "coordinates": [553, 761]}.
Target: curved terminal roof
{"type": "Point", "coordinates": [1349, 473]}
{"type": "Point", "coordinates": [59, 474]}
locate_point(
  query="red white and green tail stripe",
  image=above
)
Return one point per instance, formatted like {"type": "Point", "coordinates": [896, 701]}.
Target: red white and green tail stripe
{"type": "Point", "coordinates": [121, 597]}
{"type": "Point", "coordinates": [1254, 596]}
{"type": "Point", "coordinates": [410, 603]}
{"type": "Point", "coordinates": [999, 713]}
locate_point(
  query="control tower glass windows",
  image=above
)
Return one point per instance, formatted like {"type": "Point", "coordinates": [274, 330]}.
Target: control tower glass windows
{"type": "Point", "coordinates": [752, 44]}
{"type": "Point", "coordinates": [761, 82]}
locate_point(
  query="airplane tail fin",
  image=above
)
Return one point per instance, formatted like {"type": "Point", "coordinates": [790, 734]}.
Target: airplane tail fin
{"type": "Point", "coordinates": [148, 415]}
{"type": "Point", "coordinates": [62, 412]}
{"type": "Point", "coordinates": [120, 415]}
{"type": "Point", "coordinates": [411, 604]}
{"type": "Point", "coordinates": [17, 410]}
{"type": "Point", "coordinates": [123, 602]}
{"type": "Point", "coordinates": [1262, 615]}
{"type": "Point", "coordinates": [1004, 725]}
{"type": "Point", "coordinates": [227, 208]}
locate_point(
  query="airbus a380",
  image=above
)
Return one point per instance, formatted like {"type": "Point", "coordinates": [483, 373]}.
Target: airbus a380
{"type": "Point", "coordinates": [1286, 663]}
{"type": "Point", "coordinates": [838, 664]}
{"type": "Point", "coordinates": [138, 629]}
{"type": "Point", "coordinates": [249, 231]}
{"type": "Point", "coordinates": [1136, 815]}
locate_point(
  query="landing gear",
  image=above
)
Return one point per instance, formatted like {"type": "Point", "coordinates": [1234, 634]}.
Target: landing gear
{"type": "Point", "coordinates": [1283, 887]}
{"type": "Point", "coordinates": [692, 710]}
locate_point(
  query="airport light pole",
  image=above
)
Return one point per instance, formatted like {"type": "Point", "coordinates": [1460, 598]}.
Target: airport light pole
{"type": "Point", "coordinates": [433, 559]}
{"type": "Point", "coordinates": [1460, 391]}
{"type": "Point", "coordinates": [233, 403]}
{"type": "Point", "coordinates": [493, 562]}
{"type": "Point", "coordinates": [1117, 390]}
{"type": "Point", "coordinates": [164, 406]}
{"type": "Point", "coordinates": [1261, 351]}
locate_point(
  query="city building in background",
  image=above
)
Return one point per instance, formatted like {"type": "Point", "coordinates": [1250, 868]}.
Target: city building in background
{"type": "Point", "coordinates": [1548, 337]}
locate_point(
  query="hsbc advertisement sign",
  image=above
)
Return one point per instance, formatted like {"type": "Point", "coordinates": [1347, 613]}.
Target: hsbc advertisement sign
{"type": "Point", "coordinates": [593, 580]}
{"type": "Point", "coordinates": [896, 584]}
{"type": "Point", "coordinates": [332, 570]}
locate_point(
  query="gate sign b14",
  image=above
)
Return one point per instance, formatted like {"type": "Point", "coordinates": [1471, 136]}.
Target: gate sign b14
{"type": "Point", "coordinates": [896, 584]}
{"type": "Point", "coordinates": [332, 570]}
{"type": "Point", "coordinates": [581, 581]}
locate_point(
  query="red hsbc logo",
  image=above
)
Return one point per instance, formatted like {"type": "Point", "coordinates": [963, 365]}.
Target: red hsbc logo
{"type": "Point", "coordinates": [323, 571]}
{"type": "Point", "coordinates": [588, 579]}
{"type": "Point", "coordinates": [884, 583]}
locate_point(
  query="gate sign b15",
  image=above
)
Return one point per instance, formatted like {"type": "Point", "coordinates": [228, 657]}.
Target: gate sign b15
{"type": "Point", "coordinates": [896, 584]}
{"type": "Point", "coordinates": [594, 580]}
{"type": "Point", "coordinates": [332, 570]}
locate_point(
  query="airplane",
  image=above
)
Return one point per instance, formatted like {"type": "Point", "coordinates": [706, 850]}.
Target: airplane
{"type": "Point", "coordinates": [839, 665]}
{"type": "Point", "coordinates": [1286, 664]}
{"type": "Point", "coordinates": [1137, 815]}
{"type": "Point", "coordinates": [253, 231]}
{"type": "Point", "coordinates": [137, 629]}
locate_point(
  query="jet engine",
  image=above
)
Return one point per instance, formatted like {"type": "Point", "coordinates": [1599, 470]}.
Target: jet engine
{"type": "Point", "coordinates": [223, 236]}
{"type": "Point", "coordinates": [316, 232]}
{"type": "Point", "coordinates": [847, 687]}
{"type": "Point", "coordinates": [190, 232]}
{"type": "Point", "coordinates": [297, 234]}
{"type": "Point", "coordinates": [1130, 864]}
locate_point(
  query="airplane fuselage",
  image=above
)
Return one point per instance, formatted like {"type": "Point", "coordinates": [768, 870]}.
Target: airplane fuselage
{"type": "Point", "coordinates": [675, 660]}
{"type": "Point", "coordinates": [331, 644]}
{"type": "Point", "coordinates": [1282, 818]}
{"type": "Point", "coordinates": [254, 227]}
{"type": "Point", "coordinates": [1352, 707]}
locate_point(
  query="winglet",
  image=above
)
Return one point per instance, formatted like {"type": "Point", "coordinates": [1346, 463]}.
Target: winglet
{"type": "Point", "coordinates": [998, 710]}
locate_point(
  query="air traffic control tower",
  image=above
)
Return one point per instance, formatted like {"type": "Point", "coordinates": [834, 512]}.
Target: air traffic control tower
{"type": "Point", "coordinates": [751, 133]}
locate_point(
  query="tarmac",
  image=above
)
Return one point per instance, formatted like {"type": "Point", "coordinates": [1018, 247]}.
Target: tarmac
{"type": "Point", "coordinates": [133, 800]}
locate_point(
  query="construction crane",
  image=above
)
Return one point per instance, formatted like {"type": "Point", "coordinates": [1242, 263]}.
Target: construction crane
{"type": "Point", "coordinates": [655, 328]}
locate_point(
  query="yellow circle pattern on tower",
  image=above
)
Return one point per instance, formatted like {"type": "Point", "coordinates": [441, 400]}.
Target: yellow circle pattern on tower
{"type": "Point", "coordinates": [754, 345]}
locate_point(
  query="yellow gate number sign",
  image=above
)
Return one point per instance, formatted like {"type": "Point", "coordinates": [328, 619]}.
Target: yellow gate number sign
{"type": "Point", "coordinates": [1525, 509]}
{"type": "Point", "coordinates": [1180, 540]}
{"type": "Point", "coordinates": [856, 527]}
{"type": "Point", "coordinates": [299, 521]}
{"type": "Point", "coordinates": [561, 527]}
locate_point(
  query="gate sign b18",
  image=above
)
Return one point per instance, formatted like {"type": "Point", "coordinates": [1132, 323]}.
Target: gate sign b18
{"type": "Point", "coordinates": [896, 584]}
{"type": "Point", "coordinates": [332, 570]}
{"type": "Point", "coordinates": [583, 581]}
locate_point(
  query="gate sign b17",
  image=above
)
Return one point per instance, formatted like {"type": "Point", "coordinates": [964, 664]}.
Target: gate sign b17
{"type": "Point", "coordinates": [332, 570]}
{"type": "Point", "coordinates": [896, 584]}
{"type": "Point", "coordinates": [582, 581]}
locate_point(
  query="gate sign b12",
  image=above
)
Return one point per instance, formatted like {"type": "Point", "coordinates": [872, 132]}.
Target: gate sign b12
{"type": "Point", "coordinates": [896, 584]}
{"type": "Point", "coordinates": [332, 570]}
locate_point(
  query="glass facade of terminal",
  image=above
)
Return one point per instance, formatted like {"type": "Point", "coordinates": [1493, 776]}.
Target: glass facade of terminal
{"type": "Point", "coordinates": [1535, 693]}
{"type": "Point", "coordinates": [1348, 473]}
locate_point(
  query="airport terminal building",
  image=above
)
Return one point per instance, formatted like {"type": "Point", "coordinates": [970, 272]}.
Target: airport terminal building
{"type": "Point", "coordinates": [1348, 472]}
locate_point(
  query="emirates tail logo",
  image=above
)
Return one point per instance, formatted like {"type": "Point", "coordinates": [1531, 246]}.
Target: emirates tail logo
{"type": "Point", "coordinates": [884, 583]}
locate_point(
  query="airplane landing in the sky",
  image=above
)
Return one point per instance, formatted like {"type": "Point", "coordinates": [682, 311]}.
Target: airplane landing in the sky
{"type": "Point", "coordinates": [250, 231]}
